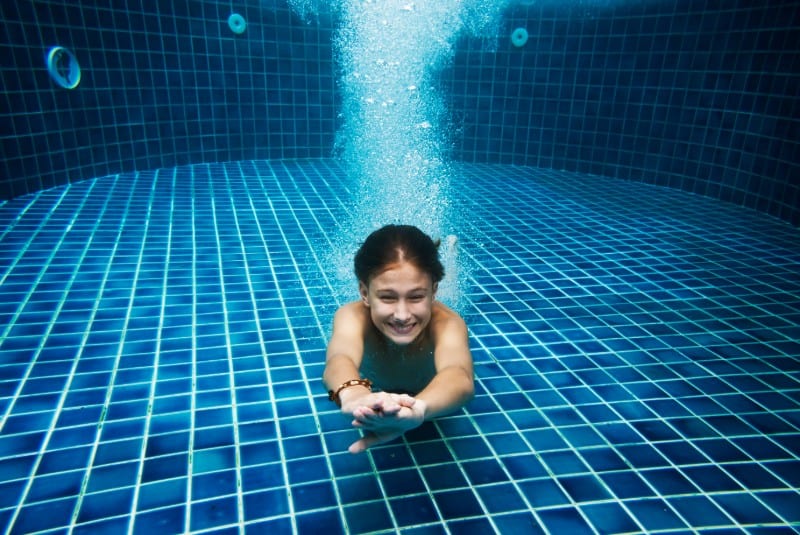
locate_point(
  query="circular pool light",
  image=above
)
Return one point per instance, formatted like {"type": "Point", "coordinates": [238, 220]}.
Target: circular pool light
{"type": "Point", "coordinates": [237, 23]}
{"type": "Point", "coordinates": [519, 37]}
{"type": "Point", "coordinates": [63, 67]}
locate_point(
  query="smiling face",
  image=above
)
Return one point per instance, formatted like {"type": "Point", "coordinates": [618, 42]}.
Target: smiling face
{"type": "Point", "coordinates": [400, 301]}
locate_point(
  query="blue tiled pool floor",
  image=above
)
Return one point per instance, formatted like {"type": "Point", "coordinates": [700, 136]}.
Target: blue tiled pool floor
{"type": "Point", "coordinates": [162, 340]}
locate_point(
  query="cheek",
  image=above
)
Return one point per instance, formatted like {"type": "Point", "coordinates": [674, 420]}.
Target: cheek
{"type": "Point", "coordinates": [423, 310]}
{"type": "Point", "coordinates": [378, 310]}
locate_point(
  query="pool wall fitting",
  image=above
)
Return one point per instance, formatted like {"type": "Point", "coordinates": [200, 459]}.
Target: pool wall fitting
{"type": "Point", "coordinates": [237, 24]}
{"type": "Point", "coordinates": [63, 67]}
{"type": "Point", "coordinates": [160, 88]}
{"type": "Point", "coordinates": [519, 37]}
{"type": "Point", "coordinates": [672, 93]}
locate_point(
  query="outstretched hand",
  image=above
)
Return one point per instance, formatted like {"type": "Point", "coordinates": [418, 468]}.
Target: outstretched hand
{"type": "Point", "coordinates": [384, 416]}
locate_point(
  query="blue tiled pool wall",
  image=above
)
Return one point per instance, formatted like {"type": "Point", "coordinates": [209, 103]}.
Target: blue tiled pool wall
{"type": "Point", "coordinates": [696, 95]}
{"type": "Point", "coordinates": [159, 88]}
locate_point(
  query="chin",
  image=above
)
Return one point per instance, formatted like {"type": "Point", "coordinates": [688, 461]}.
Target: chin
{"type": "Point", "coordinates": [401, 340]}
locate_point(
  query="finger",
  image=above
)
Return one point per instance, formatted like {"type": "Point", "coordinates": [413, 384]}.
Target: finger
{"type": "Point", "coordinates": [369, 440]}
{"type": "Point", "coordinates": [367, 420]}
{"type": "Point", "coordinates": [367, 424]}
{"type": "Point", "coordinates": [391, 408]}
{"type": "Point", "coordinates": [404, 400]}
{"type": "Point", "coordinates": [357, 447]}
{"type": "Point", "coordinates": [363, 413]}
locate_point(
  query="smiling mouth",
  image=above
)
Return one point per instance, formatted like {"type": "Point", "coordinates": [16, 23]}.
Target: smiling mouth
{"type": "Point", "coordinates": [403, 329]}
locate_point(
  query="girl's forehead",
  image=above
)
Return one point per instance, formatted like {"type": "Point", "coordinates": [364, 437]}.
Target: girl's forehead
{"type": "Point", "coordinates": [401, 273]}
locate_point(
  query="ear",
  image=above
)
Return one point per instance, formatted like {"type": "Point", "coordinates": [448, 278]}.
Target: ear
{"type": "Point", "coordinates": [364, 293]}
{"type": "Point", "coordinates": [435, 287]}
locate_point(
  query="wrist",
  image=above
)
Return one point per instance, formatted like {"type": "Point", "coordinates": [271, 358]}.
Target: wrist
{"type": "Point", "coordinates": [421, 408]}
{"type": "Point", "coordinates": [345, 387]}
{"type": "Point", "coordinates": [350, 395]}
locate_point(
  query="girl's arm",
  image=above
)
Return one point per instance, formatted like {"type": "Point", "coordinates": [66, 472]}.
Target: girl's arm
{"type": "Point", "coordinates": [453, 385]}
{"type": "Point", "coordinates": [345, 351]}
{"type": "Point", "coordinates": [343, 361]}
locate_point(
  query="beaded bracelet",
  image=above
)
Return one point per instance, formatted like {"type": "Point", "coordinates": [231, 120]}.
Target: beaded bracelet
{"type": "Point", "coordinates": [334, 396]}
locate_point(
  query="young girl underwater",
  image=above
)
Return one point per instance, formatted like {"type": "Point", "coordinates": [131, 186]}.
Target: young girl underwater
{"type": "Point", "coordinates": [397, 357]}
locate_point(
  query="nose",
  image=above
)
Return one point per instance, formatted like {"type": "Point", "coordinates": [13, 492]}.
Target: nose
{"type": "Point", "coordinates": [401, 311]}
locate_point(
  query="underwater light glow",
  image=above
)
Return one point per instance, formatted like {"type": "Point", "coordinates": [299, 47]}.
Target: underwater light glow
{"type": "Point", "coordinates": [395, 132]}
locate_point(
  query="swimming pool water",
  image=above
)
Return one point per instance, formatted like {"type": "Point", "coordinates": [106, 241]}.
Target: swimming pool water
{"type": "Point", "coordinates": [163, 335]}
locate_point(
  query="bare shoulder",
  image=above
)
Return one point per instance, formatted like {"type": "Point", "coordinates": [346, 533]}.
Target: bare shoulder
{"type": "Point", "coordinates": [353, 310]}
{"type": "Point", "coordinates": [351, 318]}
{"type": "Point", "coordinates": [447, 322]}
{"type": "Point", "coordinates": [349, 327]}
{"type": "Point", "coordinates": [445, 317]}
{"type": "Point", "coordinates": [451, 344]}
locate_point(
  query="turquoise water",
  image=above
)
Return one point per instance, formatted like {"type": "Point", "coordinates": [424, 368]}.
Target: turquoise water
{"type": "Point", "coordinates": [162, 340]}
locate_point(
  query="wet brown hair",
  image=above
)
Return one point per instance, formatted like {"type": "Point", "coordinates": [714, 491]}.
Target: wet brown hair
{"type": "Point", "coordinates": [393, 243]}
